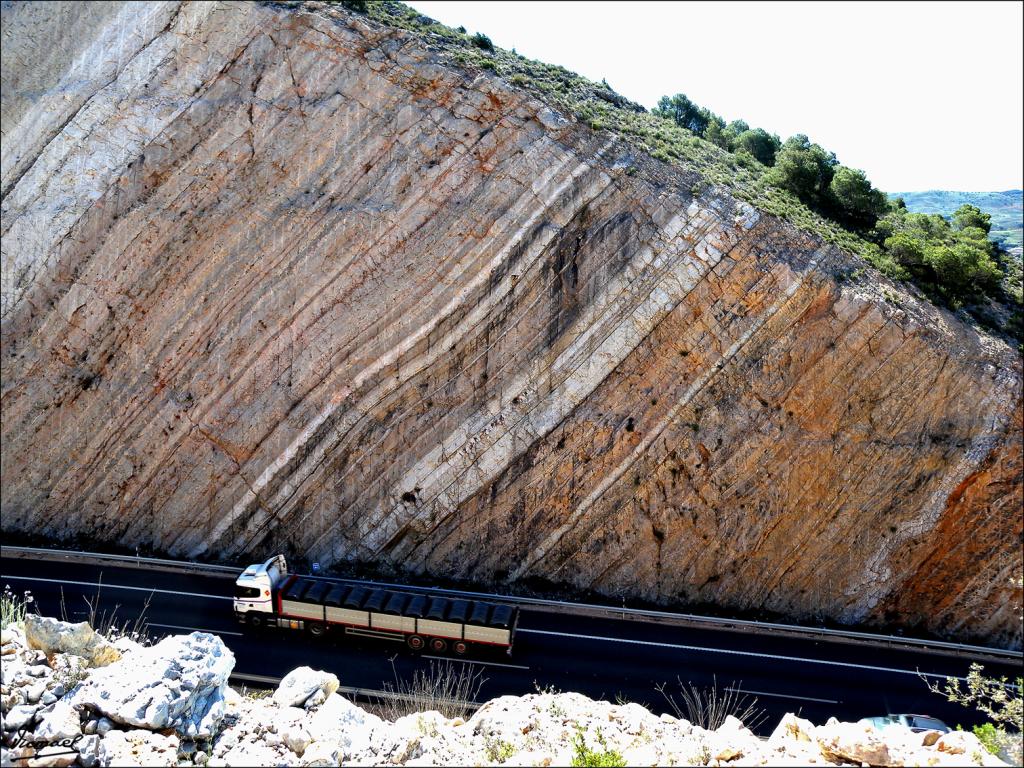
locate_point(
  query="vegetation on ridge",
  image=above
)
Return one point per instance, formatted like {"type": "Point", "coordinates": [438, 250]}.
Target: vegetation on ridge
{"type": "Point", "coordinates": [1006, 209]}
{"type": "Point", "coordinates": [796, 180]}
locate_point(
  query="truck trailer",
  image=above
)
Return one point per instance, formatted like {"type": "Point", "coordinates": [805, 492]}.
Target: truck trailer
{"type": "Point", "coordinates": [266, 595]}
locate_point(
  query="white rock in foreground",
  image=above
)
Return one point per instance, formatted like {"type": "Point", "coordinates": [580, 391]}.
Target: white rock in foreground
{"type": "Point", "coordinates": [52, 636]}
{"type": "Point", "coordinates": [178, 683]}
{"type": "Point", "coordinates": [138, 748]}
{"type": "Point", "coordinates": [305, 687]}
{"type": "Point", "coordinates": [60, 723]}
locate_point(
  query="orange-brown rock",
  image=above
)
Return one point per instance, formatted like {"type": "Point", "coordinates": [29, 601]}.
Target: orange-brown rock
{"type": "Point", "coordinates": [285, 279]}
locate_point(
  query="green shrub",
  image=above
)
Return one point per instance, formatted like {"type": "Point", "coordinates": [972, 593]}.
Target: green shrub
{"type": "Point", "coordinates": [592, 758]}
{"type": "Point", "coordinates": [805, 169]}
{"type": "Point", "coordinates": [483, 42]}
{"type": "Point", "coordinates": [989, 736]}
{"type": "Point", "coordinates": [357, 6]}
{"type": "Point", "coordinates": [498, 751]}
{"type": "Point", "coordinates": [758, 143]}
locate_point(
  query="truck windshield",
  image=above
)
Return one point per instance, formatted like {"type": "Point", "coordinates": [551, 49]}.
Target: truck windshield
{"type": "Point", "coordinates": [246, 593]}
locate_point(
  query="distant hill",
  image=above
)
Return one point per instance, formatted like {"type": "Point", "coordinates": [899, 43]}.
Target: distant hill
{"type": "Point", "coordinates": [1006, 209]}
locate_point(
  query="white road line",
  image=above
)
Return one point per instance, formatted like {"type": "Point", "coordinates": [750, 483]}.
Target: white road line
{"type": "Point", "coordinates": [195, 629]}
{"type": "Point", "coordinates": [541, 632]}
{"type": "Point", "coordinates": [736, 653]}
{"type": "Point", "coordinates": [105, 585]}
{"type": "Point", "coordinates": [469, 661]}
{"type": "Point", "coordinates": [784, 696]}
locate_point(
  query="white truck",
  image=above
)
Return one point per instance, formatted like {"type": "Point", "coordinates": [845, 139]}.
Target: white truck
{"type": "Point", "coordinates": [267, 595]}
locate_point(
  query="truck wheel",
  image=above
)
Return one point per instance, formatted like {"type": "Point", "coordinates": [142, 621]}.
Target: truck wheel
{"type": "Point", "coordinates": [437, 645]}
{"type": "Point", "coordinates": [415, 642]}
{"type": "Point", "coordinates": [255, 620]}
{"type": "Point", "coordinates": [317, 630]}
{"type": "Point", "coordinates": [460, 648]}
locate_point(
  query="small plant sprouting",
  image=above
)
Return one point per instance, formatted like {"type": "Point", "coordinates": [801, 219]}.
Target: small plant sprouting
{"type": "Point", "coordinates": [595, 758]}
{"type": "Point", "coordinates": [443, 687]}
{"type": "Point", "coordinates": [498, 750]}
{"type": "Point", "coordinates": [708, 708]}
{"type": "Point", "coordinates": [14, 608]}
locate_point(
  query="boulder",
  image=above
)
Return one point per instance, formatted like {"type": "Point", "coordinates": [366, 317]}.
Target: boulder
{"type": "Point", "coordinates": [928, 738]}
{"type": "Point", "coordinates": [252, 753]}
{"type": "Point", "coordinates": [792, 728]}
{"type": "Point", "coordinates": [54, 756]}
{"type": "Point", "coordinates": [34, 692]}
{"type": "Point", "coordinates": [232, 699]}
{"type": "Point", "coordinates": [296, 738]}
{"type": "Point", "coordinates": [733, 727]}
{"type": "Point", "coordinates": [62, 722]}
{"type": "Point", "coordinates": [126, 645]}
{"type": "Point", "coordinates": [338, 721]}
{"type": "Point", "coordinates": [178, 683]}
{"type": "Point", "coordinates": [11, 636]}
{"type": "Point", "coordinates": [18, 756]}
{"type": "Point", "coordinates": [19, 717]}
{"type": "Point", "coordinates": [305, 687]}
{"type": "Point", "coordinates": [853, 742]}
{"type": "Point", "coordinates": [52, 636]}
{"type": "Point", "coordinates": [728, 754]}
{"type": "Point", "coordinates": [321, 753]}
{"type": "Point", "coordinates": [138, 748]}
{"type": "Point", "coordinates": [88, 751]}
{"type": "Point", "coordinates": [959, 743]}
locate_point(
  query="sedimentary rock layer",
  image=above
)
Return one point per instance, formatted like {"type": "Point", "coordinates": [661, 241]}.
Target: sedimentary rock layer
{"type": "Point", "coordinates": [284, 279]}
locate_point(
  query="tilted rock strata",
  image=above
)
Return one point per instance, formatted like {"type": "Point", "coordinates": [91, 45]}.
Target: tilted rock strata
{"type": "Point", "coordinates": [286, 280]}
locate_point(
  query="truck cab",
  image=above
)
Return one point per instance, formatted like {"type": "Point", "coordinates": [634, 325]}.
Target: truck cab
{"type": "Point", "coordinates": [254, 591]}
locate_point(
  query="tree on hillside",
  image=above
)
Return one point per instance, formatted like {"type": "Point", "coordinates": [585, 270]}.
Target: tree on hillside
{"type": "Point", "coordinates": [716, 132]}
{"type": "Point", "coordinates": [964, 271]}
{"type": "Point", "coordinates": [684, 112]}
{"type": "Point", "coordinates": [971, 216]}
{"type": "Point", "coordinates": [759, 143]}
{"type": "Point", "coordinates": [956, 266]}
{"type": "Point", "coordinates": [857, 203]}
{"type": "Point", "coordinates": [805, 169]}
{"type": "Point", "coordinates": [736, 127]}
{"type": "Point", "coordinates": [930, 226]}
{"type": "Point", "coordinates": [907, 251]}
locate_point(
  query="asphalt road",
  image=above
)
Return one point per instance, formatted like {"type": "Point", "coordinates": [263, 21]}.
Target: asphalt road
{"type": "Point", "coordinates": [602, 658]}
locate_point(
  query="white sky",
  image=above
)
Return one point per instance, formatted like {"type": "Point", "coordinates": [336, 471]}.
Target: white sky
{"type": "Point", "coordinates": [918, 95]}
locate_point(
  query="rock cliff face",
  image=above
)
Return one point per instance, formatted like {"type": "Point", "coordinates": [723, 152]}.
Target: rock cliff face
{"type": "Point", "coordinates": [284, 279]}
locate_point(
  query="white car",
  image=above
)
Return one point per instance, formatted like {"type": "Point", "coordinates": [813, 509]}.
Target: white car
{"type": "Point", "coordinates": [916, 723]}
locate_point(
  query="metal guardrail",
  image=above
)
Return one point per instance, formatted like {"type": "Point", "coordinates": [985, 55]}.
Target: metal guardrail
{"type": "Point", "coordinates": [555, 606]}
{"type": "Point", "coordinates": [150, 563]}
